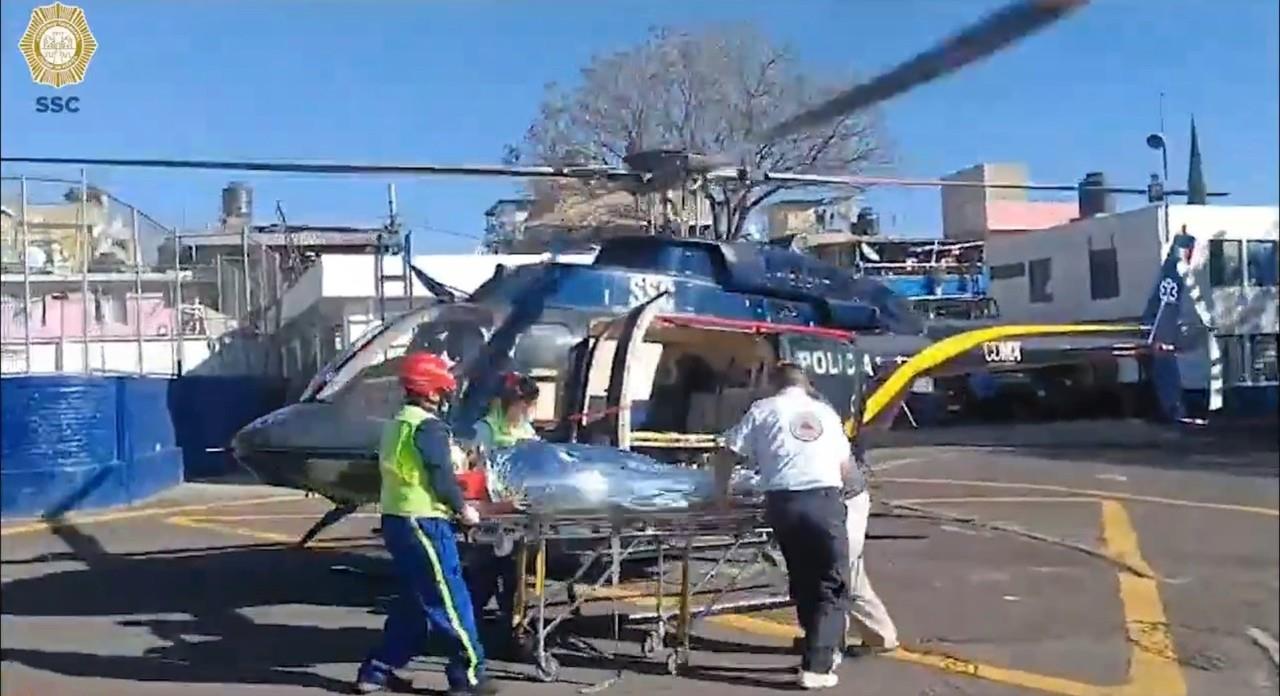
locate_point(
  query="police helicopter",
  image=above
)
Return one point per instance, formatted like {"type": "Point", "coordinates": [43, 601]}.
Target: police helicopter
{"type": "Point", "coordinates": [861, 342]}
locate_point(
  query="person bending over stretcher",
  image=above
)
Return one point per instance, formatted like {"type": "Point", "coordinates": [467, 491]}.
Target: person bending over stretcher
{"type": "Point", "coordinates": [490, 574]}
{"type": "Point", "coordinates": [420, 498]}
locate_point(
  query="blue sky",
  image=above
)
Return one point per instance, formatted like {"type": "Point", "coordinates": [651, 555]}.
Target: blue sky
{"type": "Point", "coordinates": [453, 81]}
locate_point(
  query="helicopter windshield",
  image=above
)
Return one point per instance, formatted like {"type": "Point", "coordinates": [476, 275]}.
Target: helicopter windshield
{"type": "Point", "coordinates": [455, 331]}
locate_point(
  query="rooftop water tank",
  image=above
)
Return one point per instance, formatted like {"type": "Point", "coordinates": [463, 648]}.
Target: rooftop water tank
{"type": "Point", "coordinates": [1094, 199]}
{"type": "Point", "coordinates": [237, 201]}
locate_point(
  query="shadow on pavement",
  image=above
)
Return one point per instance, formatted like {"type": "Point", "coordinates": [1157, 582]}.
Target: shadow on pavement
{"type": "Point", "coordinates": [216, 641]}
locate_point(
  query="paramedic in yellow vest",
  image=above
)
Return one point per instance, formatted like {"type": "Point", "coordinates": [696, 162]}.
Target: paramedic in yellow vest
{"type": "Point", "coordinates": [490, 574]}
{"type": "Point", "coordinates": [509, 419]}
{"type": "Point", "coordinates": [420, 501]}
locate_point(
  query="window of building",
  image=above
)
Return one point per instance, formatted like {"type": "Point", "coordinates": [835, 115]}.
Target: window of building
{"type": "Point", "coordinates": [1264, 264]}
{"type": "Point", "coordinates": [1265, 369]}
{"type": "Point", "coordinates": [1225, 266]}
{"type": "Point", "coordinates": [1008, 270]}
{"type": "Point", "coordinates": [1039, 272]}
{"type": "Point", "coordinates": [1104, 274]}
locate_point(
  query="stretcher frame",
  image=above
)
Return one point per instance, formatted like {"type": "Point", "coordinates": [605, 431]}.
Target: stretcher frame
{"type": "Point", "coordinates": [623, 535]}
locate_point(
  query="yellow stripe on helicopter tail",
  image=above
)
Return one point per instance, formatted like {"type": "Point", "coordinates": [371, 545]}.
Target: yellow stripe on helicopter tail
{"type": "Point", "coordinates": [454, 619]}
{"type": "Point", "coordinates": [952, 346]}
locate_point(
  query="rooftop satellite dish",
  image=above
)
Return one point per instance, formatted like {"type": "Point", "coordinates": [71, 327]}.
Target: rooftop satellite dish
{"type": "Point", "coordinates": [1155, 141]}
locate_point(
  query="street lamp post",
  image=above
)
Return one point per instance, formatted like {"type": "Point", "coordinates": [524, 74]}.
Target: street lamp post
{"type": "Point", "coordinates": [1156, 141]}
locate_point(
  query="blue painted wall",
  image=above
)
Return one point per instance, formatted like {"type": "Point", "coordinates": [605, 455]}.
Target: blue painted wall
{"type": "Point", "coordinates": [207, 411]}
{"type": "Point", "coordinates": [80, 443]}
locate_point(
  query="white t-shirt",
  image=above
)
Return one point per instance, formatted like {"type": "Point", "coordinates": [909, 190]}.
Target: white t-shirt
{"type": "Point", "coordinates": [797, 441]}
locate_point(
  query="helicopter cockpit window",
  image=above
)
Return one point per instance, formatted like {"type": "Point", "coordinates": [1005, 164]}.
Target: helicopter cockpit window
{"type": "Point", "coordinates": [454, 339]}
{"type": "Point", "coordinates": [369, 376]}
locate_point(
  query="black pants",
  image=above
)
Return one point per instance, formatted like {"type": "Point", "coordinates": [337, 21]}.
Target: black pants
{"type": "Point", "coordinates": [810, 529]}
{"type": "Point", "coordinates": [490, 576]}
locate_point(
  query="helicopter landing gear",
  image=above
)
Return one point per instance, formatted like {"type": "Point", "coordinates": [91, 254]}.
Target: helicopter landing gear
{"type": "Point", "coordinates": [330, 518]}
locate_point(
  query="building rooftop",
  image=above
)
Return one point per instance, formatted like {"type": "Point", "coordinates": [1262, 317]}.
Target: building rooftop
{"type": "Point", "coordinates": [298, 235]}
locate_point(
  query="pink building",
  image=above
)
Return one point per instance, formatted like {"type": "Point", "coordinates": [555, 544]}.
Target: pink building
{"type": "Point", "coordinates": [971, 213]}
{"type": "Point", "coordinates": [55, 316]}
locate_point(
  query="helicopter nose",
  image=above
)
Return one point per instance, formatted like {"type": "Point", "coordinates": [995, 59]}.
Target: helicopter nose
{"type": "Point", "coordinates": [266, 446]}
{"type": "Point", "coordinates": [256, 435]}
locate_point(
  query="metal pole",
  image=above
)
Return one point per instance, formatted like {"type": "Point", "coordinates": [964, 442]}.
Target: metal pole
{"type": "Point", "coordinates": [262, 285]}
{"type": "Point", "coordinates": [379, 290]}
{"type": "Point", "coordinates": [26, 280]}
{"type": "Point", "coordinates": [137, 292]}
{"type": "Point", "coordinates": [244, 254]}
{"type": "Point", "coordinates": [408, 259]}
{"type": "Point", "coordinates": [217, 268]}
{"type": "Point", "coordinates": [394, 225]}
{"type": "Point", "coordinates": [84, 266]}
{"type": "Point", "coordinates": [177, 302]}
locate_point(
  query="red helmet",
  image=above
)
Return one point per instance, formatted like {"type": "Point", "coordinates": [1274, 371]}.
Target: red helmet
{"type": "Point", "coordinates": [424, 374]}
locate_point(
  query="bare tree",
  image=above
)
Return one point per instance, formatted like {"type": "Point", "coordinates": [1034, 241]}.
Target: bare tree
{"type": "Point", "coordinates": [711, 92]}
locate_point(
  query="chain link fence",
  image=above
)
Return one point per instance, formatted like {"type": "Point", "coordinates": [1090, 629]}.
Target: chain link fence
{"type": "Point", "coordinates": [92, 285]}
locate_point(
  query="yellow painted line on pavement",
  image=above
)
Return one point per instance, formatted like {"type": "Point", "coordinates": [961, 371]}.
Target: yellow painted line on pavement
{"type": "Point", "coordinates": [45, 525]}
{"type": "Point", "coordinates": [283, 516]}
{"type": "Point", "coordinates": [1003, 499]}
{"type": "Point", "coordinates": [1118, 495]}
{"type": "Point", "coordinates": [1153, 662]}
{"type": "Point", "coordinates": [205, 524]}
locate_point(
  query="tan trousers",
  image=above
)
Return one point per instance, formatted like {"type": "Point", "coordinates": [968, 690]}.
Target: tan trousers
{"type": "Point", "coordinates": [867, 613]}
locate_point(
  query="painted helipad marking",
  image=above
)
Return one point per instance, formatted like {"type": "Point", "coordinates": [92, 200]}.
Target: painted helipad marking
{"type": "Point", "coordinates": [80, 520]}
{"type": "Point", "coordinates": [1266, 642]}
{"type": "Point", "coordinates": [894, 463]}
{"type": "Point", "coordinates": [1004, 499]}
{"type": "Point", "coordinates": [1093, 494]}
{"type": "Point", "coordinates": [207, 523]}
{"type": "Point", "coordinates": [281, 516]}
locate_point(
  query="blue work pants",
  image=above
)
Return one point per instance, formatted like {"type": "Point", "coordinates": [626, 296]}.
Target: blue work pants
{"type": "Point", "coordinates": [433, 601]}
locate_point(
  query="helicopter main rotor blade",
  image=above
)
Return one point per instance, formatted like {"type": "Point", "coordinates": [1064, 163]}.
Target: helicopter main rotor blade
{"type": "Point", "coordinates": [987, 36]}
{"type": "Point", "coordinates": [863, 181]}
{"type": "Point", "coordinates": [340, 168]}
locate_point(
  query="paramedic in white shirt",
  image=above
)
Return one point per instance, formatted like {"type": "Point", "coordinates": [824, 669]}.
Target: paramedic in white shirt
{"type": "Point", "coordinates": [797, 443]}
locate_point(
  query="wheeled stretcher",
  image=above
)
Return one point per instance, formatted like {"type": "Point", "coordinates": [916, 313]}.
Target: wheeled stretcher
{"type": "Point", "coordinates": [734, 540]}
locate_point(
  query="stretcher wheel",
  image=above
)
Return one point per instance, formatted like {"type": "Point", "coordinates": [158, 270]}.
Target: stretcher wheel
{"type": "Point", "coordinates": [548, 668]}
{"type": "Point", "coordinates": [652, 641]}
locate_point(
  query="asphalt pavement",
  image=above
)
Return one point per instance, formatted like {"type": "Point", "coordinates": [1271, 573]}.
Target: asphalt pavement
{"type": "Point", "coordinates": [1138, 569]}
